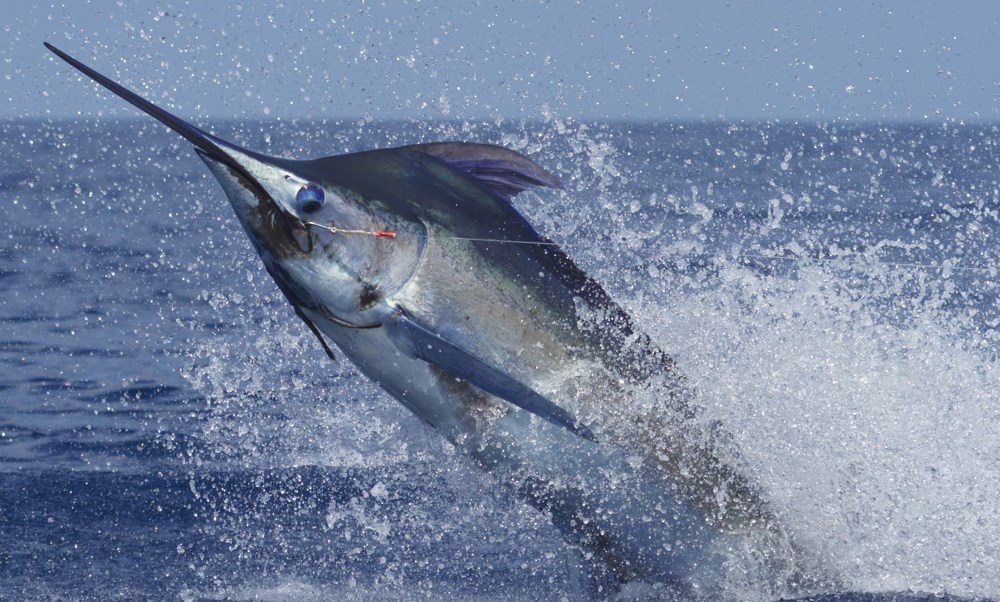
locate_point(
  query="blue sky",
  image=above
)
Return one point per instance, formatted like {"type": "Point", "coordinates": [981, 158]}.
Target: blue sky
{"type": "Point", "coordinates": [769, 59]}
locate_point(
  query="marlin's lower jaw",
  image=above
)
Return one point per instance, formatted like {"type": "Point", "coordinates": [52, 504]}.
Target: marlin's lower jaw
{"type": "Point", "coordinates": [266, 223]}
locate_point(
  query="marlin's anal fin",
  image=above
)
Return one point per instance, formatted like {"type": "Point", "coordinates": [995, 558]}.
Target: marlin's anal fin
{"type": "Point", "coordinates": [315, 331]}
{"type": "Point", "coordinates": [419, 342]}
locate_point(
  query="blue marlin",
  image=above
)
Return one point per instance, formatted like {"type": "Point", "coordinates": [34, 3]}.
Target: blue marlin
{"type": "Point", "coordinates": [414, 262]}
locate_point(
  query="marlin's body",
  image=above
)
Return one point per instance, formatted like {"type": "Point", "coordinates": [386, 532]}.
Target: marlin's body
{"type": "Point", "coordinates": [476, 323]}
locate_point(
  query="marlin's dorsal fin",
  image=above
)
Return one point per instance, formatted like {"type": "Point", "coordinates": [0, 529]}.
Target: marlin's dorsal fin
{"type": "Point", "coordinates": [419, 342]}
{"type": "Point", "coordinates": [500, 169]}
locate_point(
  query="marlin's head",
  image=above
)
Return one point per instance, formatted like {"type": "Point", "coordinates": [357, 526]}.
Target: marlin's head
{"type": "Point", "coordinates": [327, 250]}
{"type": "Point", "coordinates": [323, 244]}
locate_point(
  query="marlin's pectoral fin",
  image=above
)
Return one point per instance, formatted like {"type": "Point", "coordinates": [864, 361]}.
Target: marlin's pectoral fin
{"type": "Point", "coordinates": [419, 342]}
{"type": "Point", "coordinates": [315, 331]}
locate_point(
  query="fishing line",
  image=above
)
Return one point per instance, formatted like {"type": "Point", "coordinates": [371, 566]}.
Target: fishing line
{"type": "Point", "coordinates": [848, 262]}
{"type": "Point", "coordinates": [391, 234]}
{"type": "Point", "coordinates": [335, 230]}
{"type": "Point", "coordinates": [854, 262]}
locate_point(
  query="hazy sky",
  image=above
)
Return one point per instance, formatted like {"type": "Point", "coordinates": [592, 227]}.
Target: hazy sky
{"type": "Point", "coordinates": [768, 59]}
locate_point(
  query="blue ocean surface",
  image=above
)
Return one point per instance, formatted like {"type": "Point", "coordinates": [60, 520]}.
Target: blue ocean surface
{"type": "Point", "coordinates": [170, 431]}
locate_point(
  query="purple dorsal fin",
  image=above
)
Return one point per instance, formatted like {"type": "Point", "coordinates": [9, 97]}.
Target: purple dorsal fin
{"type": "Point", "coordinates": [499, 169]}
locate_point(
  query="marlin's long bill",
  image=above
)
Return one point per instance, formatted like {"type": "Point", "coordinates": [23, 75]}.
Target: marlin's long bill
{"type": "Point", "coordinates": [195, 136]}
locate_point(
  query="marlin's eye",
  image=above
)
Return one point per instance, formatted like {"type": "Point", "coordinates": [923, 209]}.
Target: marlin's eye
{"type": "Point", "coordinates": [309, 198]}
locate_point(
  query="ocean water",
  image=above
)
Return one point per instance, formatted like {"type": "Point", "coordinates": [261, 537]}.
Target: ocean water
{"type": "Point", "coordinates": [170, 431]}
